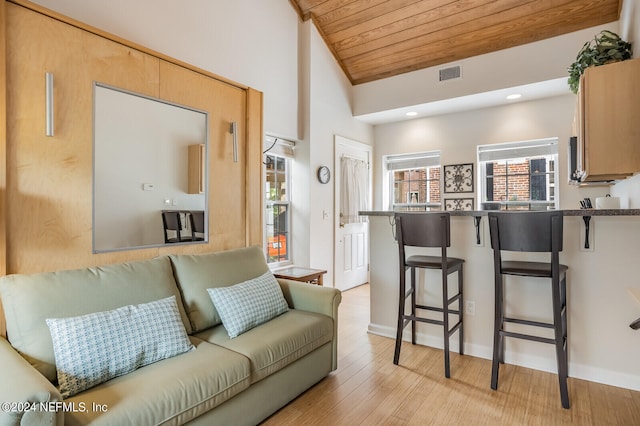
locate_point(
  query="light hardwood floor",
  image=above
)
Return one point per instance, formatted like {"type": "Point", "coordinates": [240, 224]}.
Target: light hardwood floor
{"type": "Point", "coordinates": [368, 389]}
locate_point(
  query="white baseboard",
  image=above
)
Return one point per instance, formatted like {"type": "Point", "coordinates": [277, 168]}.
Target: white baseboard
{"type": "Point", "coordinates": [578, 371]}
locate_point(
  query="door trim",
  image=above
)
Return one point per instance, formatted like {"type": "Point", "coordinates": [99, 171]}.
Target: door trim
{"type": "Point", "coordinates": [341, 143]}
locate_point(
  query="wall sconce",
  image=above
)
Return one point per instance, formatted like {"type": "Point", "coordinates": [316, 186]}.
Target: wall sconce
{"type": "Point", "coordinates": [234, 132]}
{"type": "Point", "coordinates": [48, 102]}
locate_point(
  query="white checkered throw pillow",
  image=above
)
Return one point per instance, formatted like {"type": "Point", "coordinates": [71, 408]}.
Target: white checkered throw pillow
{"type": "Point", "coordinates": [91, 349]}
{"type": "Point", "coordinates": [248, 304]}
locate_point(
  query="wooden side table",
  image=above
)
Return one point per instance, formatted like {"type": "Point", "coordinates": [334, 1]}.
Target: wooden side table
{"type": "Point", "coordinates": [297, 273]}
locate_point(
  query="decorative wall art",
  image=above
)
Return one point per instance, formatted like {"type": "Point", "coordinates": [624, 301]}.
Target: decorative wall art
{"type": "Point", "coordinates": [458, 178]}
{"type": "Point", "coordinates": [465, 204]}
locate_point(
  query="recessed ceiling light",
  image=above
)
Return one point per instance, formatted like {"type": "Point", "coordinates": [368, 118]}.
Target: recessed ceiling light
{"type": "Point", "coordinates": [514, 96]}
{"type": "Point", "coordinates": [411, 114]}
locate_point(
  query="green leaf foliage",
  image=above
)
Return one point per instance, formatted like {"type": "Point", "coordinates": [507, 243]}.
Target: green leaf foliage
{"type": "Point", "coordinates": [606, 47]}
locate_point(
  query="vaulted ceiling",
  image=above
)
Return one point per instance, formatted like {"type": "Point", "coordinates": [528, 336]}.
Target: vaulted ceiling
{"type": "Point", "coordinates": [375, 39]}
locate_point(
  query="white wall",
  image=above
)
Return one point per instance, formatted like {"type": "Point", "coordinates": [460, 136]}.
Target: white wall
{"type": "Point", "coordinates": [327, 113]}
{"type": "Point", "coordinates": [629, 192]}
{"type": "Point", "coordinates": [457, 135]}
{"type": "Point", "coordinates": [630, 23]}
{"type": "Point", "coordinates": [602, 346]}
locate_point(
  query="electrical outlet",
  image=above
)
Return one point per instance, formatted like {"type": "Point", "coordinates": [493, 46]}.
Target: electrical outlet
{"type": "Point", "coordinates": [470, 307]}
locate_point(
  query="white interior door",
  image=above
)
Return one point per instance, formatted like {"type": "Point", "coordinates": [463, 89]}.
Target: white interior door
{"type": "Point", "coordinates": [351, 263]}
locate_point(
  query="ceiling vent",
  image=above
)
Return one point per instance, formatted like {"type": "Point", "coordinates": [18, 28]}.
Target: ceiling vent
{"type": "Point", "coordinates": [450, 73]}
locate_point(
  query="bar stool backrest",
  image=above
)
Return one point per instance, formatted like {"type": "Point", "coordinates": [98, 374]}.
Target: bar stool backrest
{"type": "Point", "coordinates": [196, 217]}
{"type": "Point", "coordinates": [423, 229]}
{"type": "Point", "coordinates": [526, 231]}
{"type": "Point", "coordinates": [171, 222]}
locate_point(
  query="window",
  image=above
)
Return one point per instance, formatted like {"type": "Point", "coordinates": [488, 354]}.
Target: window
{"type": "Point", "coordinates": [519, 175]}
{"type": "Point", "coordinates": [414, 180]}
{"type": "Point", "coordinates": [278, 158]}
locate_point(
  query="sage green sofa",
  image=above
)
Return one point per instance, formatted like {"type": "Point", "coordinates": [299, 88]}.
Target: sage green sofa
{"type": "Point", "coordinates": [221, 381]}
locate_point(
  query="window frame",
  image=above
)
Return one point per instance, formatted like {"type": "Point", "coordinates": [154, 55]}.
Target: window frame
{"type": "Point", "coordinates": [514, 153]}
{"type": "Point", "coordinates": [407, 162]}
{"type": "Point", "coordinates": [278, 149]}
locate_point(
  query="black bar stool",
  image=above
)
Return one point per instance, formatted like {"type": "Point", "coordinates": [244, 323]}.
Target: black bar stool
{"type": "Point", "coordinates": [427, 230]}
{"type": "Point", "coordinates": [530, 232]}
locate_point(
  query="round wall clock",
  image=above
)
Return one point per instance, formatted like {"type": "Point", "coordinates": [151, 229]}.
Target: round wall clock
{"type": "Point", "coordinates": [324, 175]}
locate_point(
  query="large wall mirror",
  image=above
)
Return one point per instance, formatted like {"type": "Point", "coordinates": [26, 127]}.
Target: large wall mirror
{"type": "Point", "coordinates": [149, 174]}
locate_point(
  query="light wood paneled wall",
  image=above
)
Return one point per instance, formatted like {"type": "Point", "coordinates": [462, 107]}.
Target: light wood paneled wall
{"type": "Point", "coordinates": [49, 179]}
{"type": "Point", "coordinates": [225, 104]}
{"type": "Point", "coordinates": [3, 152]}
{"type": "Point", "coordinates": [255, 131]}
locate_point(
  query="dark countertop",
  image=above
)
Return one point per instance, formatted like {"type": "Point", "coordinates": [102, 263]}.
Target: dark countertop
{"type": "Point", "coordinates": [576, 212]}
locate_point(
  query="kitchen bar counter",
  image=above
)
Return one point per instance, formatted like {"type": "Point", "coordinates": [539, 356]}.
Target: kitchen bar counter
{"type": "Point", "coordinates": [603, 348]}
{"type": "Point", "coordinates": [576, 212]}
{"type": "Point", "coordinates": [586, 215]}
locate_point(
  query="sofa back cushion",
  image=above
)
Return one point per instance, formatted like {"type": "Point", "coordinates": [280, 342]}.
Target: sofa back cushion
{"type": "Point", "coordinates": [196, 273]}
{"type": "Point", "coordinates": [28, 300]}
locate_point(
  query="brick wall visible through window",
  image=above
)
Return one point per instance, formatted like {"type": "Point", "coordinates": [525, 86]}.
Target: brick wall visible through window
{"type": "Point", "coordinates": [519, 175]}
{"type": "Point", "coordinates": [413, 181]}
{"type": "Point", "coordinates": [521, 180]}
{"type": "Point", "coordinates": [518, 181]}
{"type": "Point", "coordinates": [417, 186]}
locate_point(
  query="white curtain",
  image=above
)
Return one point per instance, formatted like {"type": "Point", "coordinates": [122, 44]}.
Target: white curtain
{"type": "Point", "coordinates": [354, 192]}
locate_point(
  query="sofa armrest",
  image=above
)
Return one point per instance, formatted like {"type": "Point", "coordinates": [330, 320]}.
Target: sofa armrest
{"type": "Point", "coordinates": [313, 298]}
{"type": "Point", "coordinates": [22, 389]}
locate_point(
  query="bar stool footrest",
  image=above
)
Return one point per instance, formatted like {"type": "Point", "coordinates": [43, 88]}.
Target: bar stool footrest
{"type": "Point", "coordinates": [437, 309]}
{"type": "Point", "coordinates": [407, 319]}
{"type": "Point", "coordinates": [529, 322]}
{"type": "Point", "coordinates": [528, 337]}
{"type": "Point", "coordinates": [410, 318]}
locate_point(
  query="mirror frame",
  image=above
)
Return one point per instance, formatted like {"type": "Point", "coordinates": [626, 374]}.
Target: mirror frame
{"type": "Point", "coordinates": [161, 103]}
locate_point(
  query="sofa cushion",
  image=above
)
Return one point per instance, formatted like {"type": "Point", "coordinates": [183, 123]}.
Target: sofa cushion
{"type": "Point", "coordinates": [275, 344]}
{"type": "Point", "coordinates": [29, 299]}
{"type": "Point", "coordinates": [246, 305]}
{"type": "Point", "coordinates": [172, 391]}
{"type": "Point", "coordinates": [93, 348]}
{"type": "Point", "coordinates": [196, 273]}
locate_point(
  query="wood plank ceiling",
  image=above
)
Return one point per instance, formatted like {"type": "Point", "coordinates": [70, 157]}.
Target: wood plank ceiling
{"type": "Point", "coordinates": [375, 39]}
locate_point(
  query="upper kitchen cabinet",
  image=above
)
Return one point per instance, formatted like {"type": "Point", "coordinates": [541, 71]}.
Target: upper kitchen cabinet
{"type": "Point", "coordinates": [608, 122]}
